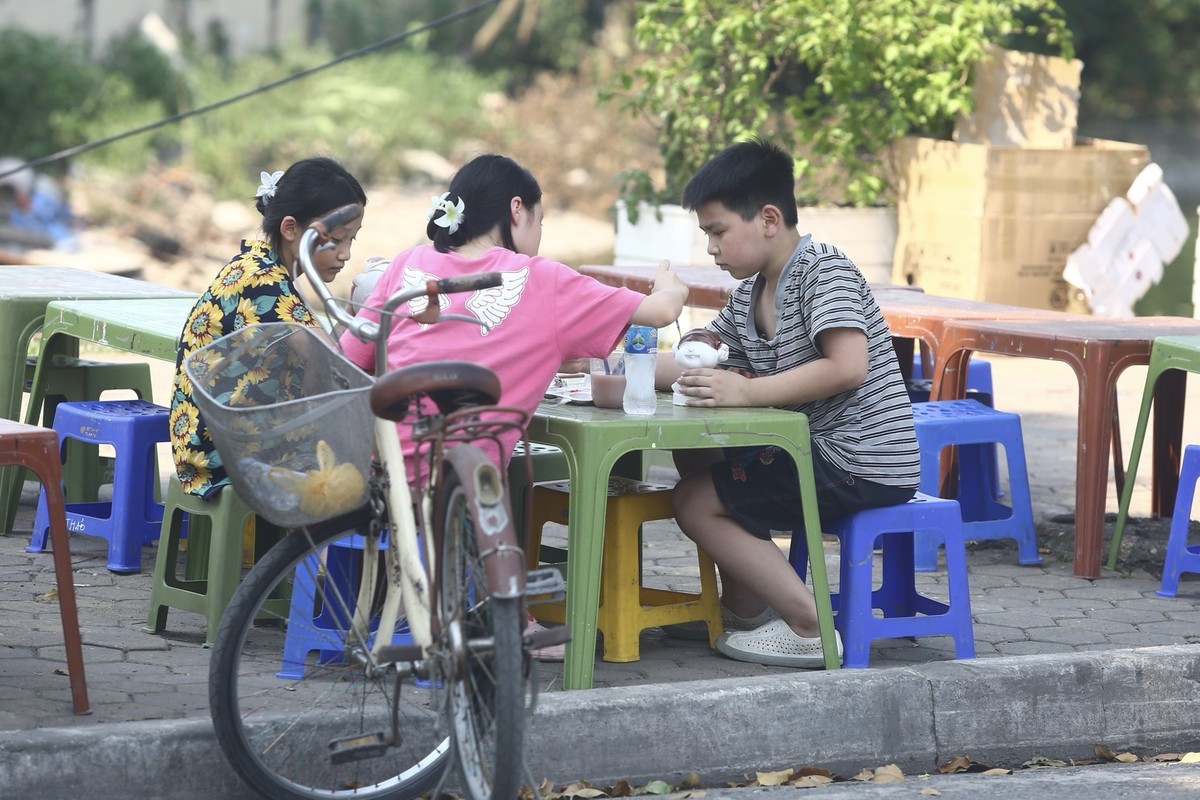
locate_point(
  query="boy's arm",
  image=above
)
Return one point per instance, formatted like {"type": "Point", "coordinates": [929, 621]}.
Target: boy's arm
{"type": "Point", "coordinates": [843, 368]}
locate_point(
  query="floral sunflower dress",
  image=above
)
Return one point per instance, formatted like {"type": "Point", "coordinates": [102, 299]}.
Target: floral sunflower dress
{"type": "Point", "coordinates": [253, 287]}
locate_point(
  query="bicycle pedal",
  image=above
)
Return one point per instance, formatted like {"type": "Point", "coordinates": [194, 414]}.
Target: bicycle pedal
{"type": "Point", "coordinates": [358, 748]}
{"type": "Point", "coordinates": [394, 653]}
{"type": "Point", "coordinates": [546, 584]}
{"type": "Point", "coordinates": [548, 637]}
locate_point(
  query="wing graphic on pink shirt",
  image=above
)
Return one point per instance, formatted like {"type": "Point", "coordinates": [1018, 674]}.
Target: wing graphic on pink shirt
{"type": "Point", "coordinates": [415, 277]}
{"type": "Point", "coordinates": [491, 306]}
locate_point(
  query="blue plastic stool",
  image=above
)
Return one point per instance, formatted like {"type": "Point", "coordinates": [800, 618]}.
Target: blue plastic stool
{"type": "Point", "coordinates": [946, 423]}
{"type": "Point", "coordinates": [70, 379]}
{"type": "Point", "coordinates": [979, 374]}
{"type": "Point", "coordinates": [132, 518]}
{"type": "Point", "coordinates": [979, 387]}
{"type": "Point", "coordinates": [1182, 558]}
{"type": "Point", "coordinates": [317, 625]}
{"type": "Point", "coordinates": [906, 612]}
{"type": "Point", "coordinates": [989, 460]}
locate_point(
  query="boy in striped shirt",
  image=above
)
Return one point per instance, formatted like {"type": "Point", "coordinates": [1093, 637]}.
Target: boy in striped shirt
{"type": "Point", "coordinates": [804, 323]}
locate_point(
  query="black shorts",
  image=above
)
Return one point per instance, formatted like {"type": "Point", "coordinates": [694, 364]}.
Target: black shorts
{"type": "Point", "coordinates": [759, 488]}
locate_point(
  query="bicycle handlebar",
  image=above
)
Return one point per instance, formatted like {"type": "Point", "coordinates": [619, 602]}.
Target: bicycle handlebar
{"type": "Point", "coordinates": [337, 218]}
{"type": "Point", "coordinates": [364, 329]}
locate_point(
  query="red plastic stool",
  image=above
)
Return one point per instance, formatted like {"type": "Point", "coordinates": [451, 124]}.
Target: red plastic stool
{"type": "Point", "coordinates": [36, 449]}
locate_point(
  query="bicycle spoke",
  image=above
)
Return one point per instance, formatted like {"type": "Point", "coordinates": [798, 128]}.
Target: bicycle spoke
{"type": "Point", "coordinates": [486, 701]}
{"type": "Point", "coordinates": [284, 685]}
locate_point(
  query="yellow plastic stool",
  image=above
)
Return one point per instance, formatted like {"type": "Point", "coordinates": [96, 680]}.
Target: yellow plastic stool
{"type": "Point", "coordinates": [216, 533]}
{"type": "Point", "coordinates": [626, 607]}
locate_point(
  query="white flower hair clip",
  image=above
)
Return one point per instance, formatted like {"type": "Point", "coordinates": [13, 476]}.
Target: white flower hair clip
{"type": "Point", "coordinates": [452, 213]}
{"type": "Point", "coordinates": [267, 183]}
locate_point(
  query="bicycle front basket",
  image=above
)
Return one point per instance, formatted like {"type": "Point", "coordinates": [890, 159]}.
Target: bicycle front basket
{"type": "Point", "coordinates": [290, 418]}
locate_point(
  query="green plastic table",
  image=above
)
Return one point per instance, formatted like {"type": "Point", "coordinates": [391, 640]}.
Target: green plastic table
{"type": "Point", "coordinates": [148, 326]}
{"type": "Point", "coordinates": [25, 292]}
{"type": "Point", "coordinates": [593, 439]}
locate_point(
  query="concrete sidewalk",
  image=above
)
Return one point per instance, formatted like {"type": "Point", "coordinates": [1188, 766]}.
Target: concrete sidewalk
{"type": "Point", "coordinates": [1062, 664]}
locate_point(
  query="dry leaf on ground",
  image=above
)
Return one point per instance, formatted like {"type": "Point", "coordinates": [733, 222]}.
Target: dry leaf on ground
{"type": "Point", "coordinates": [655, 787]}
{"type": "Point", "coordinates": [956, 764]}
{"type": "Point", "coordinates": [888, 773]}
{"type": "Point", "coordinates": [772, 778]}
{"type": "Point", "coordinates": [621, 788]}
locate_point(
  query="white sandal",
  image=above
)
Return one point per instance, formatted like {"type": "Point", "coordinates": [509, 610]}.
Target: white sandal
{"type": "Point", "coordinates": [774, 644]}
{"type": "Point", "coordinates": [698, 631]}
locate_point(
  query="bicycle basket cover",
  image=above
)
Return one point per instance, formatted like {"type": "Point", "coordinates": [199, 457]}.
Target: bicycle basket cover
{"type": "Point", "coordinates": [290, 417]}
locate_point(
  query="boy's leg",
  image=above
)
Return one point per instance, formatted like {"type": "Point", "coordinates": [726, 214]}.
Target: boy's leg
{"type": "Point", "coordinates": [689, 461]}
{"type": "Point", "coordinates": [754, 571]}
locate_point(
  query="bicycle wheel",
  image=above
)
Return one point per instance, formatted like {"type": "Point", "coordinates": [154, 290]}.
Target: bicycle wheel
{"type": "Point", "coordinates": [295, 709]}
{"type": "Point", "coordinates": [485, 695]}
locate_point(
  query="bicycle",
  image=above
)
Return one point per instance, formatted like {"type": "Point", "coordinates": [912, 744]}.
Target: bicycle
{"type": "Point", "coordinates": [451, 598]}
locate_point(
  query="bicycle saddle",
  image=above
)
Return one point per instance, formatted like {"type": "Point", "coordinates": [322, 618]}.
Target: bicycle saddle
{"type": "Point", "coordinates": [451, 385]}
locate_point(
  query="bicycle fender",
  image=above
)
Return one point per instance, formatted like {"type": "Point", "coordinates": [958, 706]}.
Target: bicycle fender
{"type": "Point", "coordinates": [487, 499]}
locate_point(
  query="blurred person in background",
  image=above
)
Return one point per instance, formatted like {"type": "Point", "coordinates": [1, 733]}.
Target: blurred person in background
{"type": "Point", "coordinates": [33, 211]}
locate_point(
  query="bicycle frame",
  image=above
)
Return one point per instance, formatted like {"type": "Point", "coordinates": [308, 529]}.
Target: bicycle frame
{"type": "Point", "coordinates": [482, 480]}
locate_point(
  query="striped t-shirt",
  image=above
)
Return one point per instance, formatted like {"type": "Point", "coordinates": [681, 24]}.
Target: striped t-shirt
{"type": "Point", "coordinates": [868, 431]}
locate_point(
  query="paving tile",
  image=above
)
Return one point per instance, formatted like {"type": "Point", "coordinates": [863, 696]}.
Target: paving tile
{"type": "Point", "coordinates": [1017, 610]}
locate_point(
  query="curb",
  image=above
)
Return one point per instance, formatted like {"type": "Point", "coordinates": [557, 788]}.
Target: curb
{"type": "Point", "coordinates": [997, 710]}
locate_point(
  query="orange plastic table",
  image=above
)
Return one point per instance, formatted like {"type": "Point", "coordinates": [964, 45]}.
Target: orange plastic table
{"type": "Point", "coordinates": [36, 449]}
{"type": "Point", "coordinates": [1098, 350]}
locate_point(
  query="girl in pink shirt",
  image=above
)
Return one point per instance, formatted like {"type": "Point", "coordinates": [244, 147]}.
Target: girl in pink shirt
{"type": "Point", "coordinates": [543, 314]}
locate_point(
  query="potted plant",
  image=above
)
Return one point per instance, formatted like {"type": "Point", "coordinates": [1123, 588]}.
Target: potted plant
{"type": "Point", "coordinates": [835, 81]}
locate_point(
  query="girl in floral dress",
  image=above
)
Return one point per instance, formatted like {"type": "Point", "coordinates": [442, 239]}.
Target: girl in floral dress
{"type": "Point", "coordinates": [257, 286]}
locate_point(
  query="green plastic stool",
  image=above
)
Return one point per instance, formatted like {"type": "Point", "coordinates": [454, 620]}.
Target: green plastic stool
{"type": "Point", "coordinates": [214, 532]}
{"type": "Point", "coordinates": [1168, 352]}
{"type": "Point", "coordinates": [71, 379]}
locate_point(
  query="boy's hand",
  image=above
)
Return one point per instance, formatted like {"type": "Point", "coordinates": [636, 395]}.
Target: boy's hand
{"type": "Point", "coordinates": [715, 387]}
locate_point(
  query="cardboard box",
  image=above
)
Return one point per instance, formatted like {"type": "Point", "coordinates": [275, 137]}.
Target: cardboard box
{"type": "Point", "coordinates": [1022, 100]}
{"type": "Point", "coordinates": [997, 223]}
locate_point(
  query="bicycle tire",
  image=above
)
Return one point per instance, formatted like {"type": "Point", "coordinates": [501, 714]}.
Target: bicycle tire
{"type": "Point", "coordinates": [486, 696]}
{"type": "Point", "coordinates": [277, 732]}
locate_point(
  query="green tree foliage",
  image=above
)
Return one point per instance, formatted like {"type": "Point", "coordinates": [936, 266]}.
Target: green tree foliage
{"type": "Point", "coordinates": [64, 99]}
{"type": "Point", "coordinates": [1139, 57]}
{"type": "Point", "coordinates": [524, 36]}
{"type": "Point", "coordinates": [361, 112]}
{"type": "Point", "coordinates": [836, 80]}
{"type": "Point", "coordinates": [148, 71]}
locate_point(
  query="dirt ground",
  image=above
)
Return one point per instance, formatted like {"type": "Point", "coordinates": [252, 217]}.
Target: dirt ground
{"type": "Point", "coordinates": [1143, 545]}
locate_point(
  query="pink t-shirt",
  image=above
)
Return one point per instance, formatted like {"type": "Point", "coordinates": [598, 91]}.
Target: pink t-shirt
{"type": "Point", "coordinates": [543, 314]}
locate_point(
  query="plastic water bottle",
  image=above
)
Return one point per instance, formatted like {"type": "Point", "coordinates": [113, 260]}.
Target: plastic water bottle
{"type": "Point", "coordinates": [641, 353]}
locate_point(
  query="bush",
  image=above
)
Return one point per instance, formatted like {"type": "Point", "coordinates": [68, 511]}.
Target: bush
{"type": "Point", "coordinates": [362, 112]}
{"type": "Point", "coordinates": [834, 81]}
